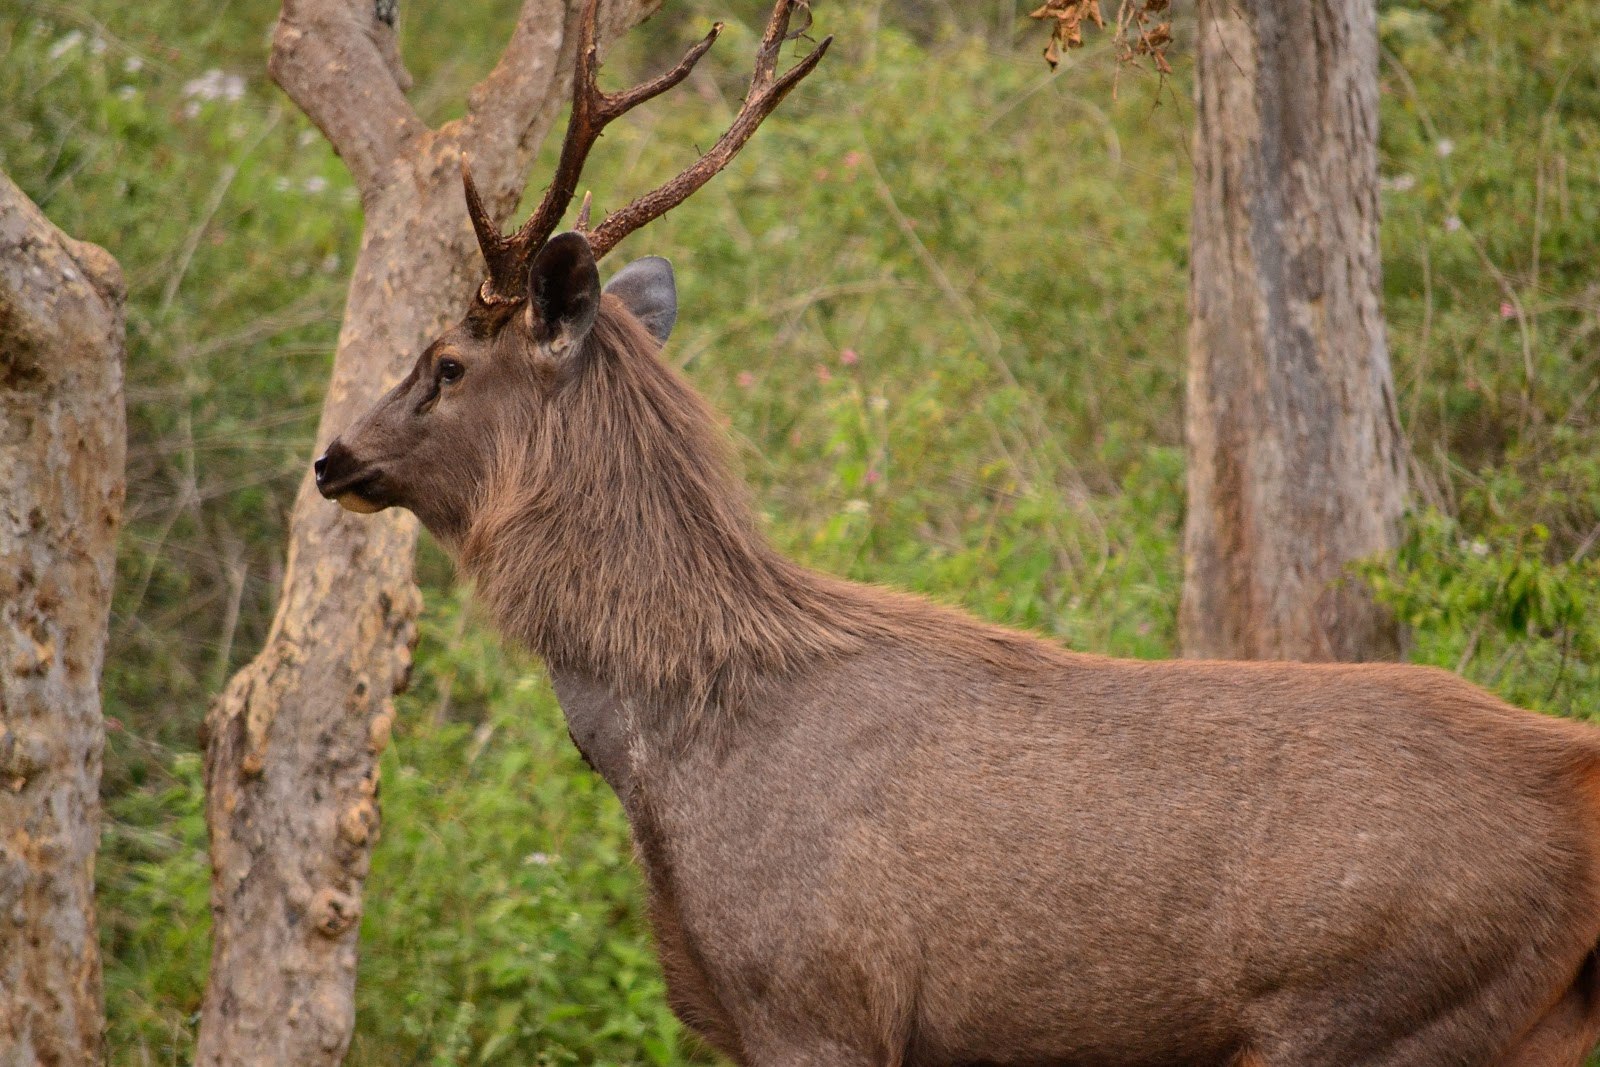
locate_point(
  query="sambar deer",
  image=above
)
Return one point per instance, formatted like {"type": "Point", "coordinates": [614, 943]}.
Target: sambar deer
{"type": "Point", "coordinates": [877, 831]}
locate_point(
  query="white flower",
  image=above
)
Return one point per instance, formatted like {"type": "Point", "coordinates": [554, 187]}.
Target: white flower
{"type": "Point", "coordinates": [878, 404]}
{"type": "Point", "coordinates": [538, 859]}
{"type": "Point", "coordinates": [66, 44]}
{"type": "Point", "coordinates": [1452, 223]}
{"type": "Point", "coordinates": [215, 85]}
{"type": "Point", "coordinates": [855, 507]}
{"type": "Point", "coordinates": [1444, 147]}
{"type": "Point", "coordinates": [280, 184]}
{"type": "Point", "coordinates": [1400, 183]}
{"type": "Point", "coordinates": [126, 92]}
{"type": "Point", "coordinates": [307, 138]}
{"type": "Point", "coordinates": [315, 184]}
{"type": "Point", "coordinates": [132, 65]}
{"type": "Point", "coordinates": [97, 47]}
{"type": "Point", "coordinates": [204, 87]}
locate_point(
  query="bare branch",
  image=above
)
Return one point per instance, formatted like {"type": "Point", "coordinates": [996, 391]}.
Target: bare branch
{"type": "Point", "coordinates": [339, 62]}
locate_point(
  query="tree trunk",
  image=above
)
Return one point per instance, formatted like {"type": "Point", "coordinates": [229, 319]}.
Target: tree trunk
{"type": "Point", "coordinates": [62, 440]}
{"type": "Point", "coordinates": [1295, 453]}
{"type": "Point", "coordinates": [293, 742]}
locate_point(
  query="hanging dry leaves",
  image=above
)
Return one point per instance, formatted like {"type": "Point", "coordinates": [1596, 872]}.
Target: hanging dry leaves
{"type": "Point", "coordinates": [1068, 16]}
{"type": "Point", "coordinates": [1141, 31]}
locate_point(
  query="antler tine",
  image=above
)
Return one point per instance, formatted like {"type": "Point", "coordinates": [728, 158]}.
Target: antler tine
{"type": "Point", "coordinates": [490, 240]}
{"type": "Point", "coordinates": [772, 39]}
{"type": "Point", "coordinates": [592, 111]}
{"type": "Point", "coordinates": [763, 98]}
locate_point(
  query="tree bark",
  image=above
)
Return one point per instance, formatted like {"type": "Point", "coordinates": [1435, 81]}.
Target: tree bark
{"type": "Point", "coordinates": [293, 742]}
{"type": "Point", "coordinates": [62, 441]}
{"type": "Point", "coordinates": [1295, 453]}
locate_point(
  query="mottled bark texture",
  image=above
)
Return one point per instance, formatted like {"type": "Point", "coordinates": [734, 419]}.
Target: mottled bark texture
{"type": "Point", "coordinates": [1295, 454]}
{"type": "Point", "coordinates": [62, 440]}
{"type": "Point", "coordinates": [293, 742]}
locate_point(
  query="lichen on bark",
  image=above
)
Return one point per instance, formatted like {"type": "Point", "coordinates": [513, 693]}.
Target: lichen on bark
{"type": "Point", "coordinates": [1296, 458]}
{"type": "Point", "coordinates": [62, 433]}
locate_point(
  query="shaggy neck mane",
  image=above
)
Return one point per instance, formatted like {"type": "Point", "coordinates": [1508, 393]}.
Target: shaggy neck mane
{"type": "Point", "coordinates": [612, 539]}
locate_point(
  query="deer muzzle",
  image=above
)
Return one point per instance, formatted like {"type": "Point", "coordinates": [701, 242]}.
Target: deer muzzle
{"type": "Point", "coordinates": [346, 481]}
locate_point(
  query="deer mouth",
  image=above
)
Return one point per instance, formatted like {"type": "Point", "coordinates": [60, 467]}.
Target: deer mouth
{"type": "Point", "coordinates": [343, 478]}
{"type": "Point", "coordinates": [356, 501]}
{"type": "Point", "coordinates": [360, 496]}
{"type": "Point", "coordinates": [359, 493]}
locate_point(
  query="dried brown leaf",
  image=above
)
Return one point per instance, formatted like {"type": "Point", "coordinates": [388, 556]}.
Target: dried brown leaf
{"type": "Point", "coordinates": [1136, 33]}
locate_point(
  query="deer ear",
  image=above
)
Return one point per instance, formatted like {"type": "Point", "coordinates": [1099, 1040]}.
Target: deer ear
{"type": "Point", "coordinates": [647, 288]}
{"type": "Point", "coordinates": [564, 289]}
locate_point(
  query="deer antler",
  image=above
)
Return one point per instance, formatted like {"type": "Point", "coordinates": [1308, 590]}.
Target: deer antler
{"type": "Point", "coordinates": [592, 110]}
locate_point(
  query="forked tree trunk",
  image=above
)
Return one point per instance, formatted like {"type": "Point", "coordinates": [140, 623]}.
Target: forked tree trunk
{"type": "Point", "coordinates": [62, 440]}
{"type": "Point", "coordinates": [293, 741]}
{"type": "Point", "coordinates": [1295, 454]}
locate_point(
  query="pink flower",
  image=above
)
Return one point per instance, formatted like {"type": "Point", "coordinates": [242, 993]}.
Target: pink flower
{"type": "Point", "coordinates": [873, 476]}
{"type": "Point", "coordinates": [746, 379]}
{"type": "Point", "coordinates": [853, 158]}
{"type": "Point", "coordinates": [1506, 310]}
{"type": "Point", "coordinates": [849, 358]}
{"type": "Point", "coordinates": [824, 375]}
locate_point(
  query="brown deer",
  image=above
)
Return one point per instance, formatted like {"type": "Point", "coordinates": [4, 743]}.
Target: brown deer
{"type": "Point", "coordinates": [877, 831]}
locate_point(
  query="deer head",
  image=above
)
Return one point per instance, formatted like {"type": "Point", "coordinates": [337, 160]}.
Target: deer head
{"type": "Point", "coordinates": [540, 319]}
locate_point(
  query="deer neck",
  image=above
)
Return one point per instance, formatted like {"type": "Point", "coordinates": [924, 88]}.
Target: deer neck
{"type": "Point", "coordinates": [630, 557]}
{"type": "Point", "coordinates": [601, 727]}
{"type": "Point", "coordinates": [694, 627]}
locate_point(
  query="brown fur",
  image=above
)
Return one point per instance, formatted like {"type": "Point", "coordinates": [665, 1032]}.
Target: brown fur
{"type": "Point", "coordinates": [878, 831]}
{"type": "Point", "coordinates": [703, 611]}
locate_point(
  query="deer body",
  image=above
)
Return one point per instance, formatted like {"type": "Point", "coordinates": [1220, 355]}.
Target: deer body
{"type": "Point", "coordinates": [909, 856]}
{"type": "Point", "coordinates": [955, 846]}
{"type": "Point", "coordinates": [877, 831]}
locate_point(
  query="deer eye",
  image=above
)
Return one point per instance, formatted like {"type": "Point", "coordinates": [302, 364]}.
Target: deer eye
{"type": "Point", "coordinates": [450, 370]}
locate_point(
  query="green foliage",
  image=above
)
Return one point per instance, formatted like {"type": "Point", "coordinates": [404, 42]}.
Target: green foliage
{"type": "Point", "coordinates": [154, 916]}
{"type": "Point", "coordinates": [1498, 609]}
{"type": "Point", "coordinates": [940, 299]}
{"type": "Point", "coordinates": [1492, 204]}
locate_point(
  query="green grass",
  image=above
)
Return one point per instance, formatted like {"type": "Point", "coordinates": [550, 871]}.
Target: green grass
{"type": "Point", "coordinates": [1003, 256]}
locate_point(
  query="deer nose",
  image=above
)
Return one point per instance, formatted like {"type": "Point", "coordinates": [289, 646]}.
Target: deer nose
{"type": "Point", "coordinates": [334, 464]}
